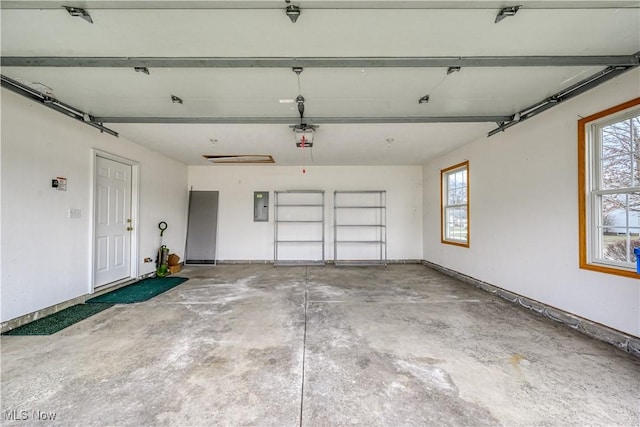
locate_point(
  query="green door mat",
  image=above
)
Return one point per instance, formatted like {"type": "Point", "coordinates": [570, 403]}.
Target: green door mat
{"type": "Point", "coordinates": [57, 321]}
{"type": "Point", "coordinates": [139, 291]}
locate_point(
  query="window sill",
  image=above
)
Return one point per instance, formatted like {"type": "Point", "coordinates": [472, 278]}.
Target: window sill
{"type": "Point", "coordinates": [610, 270]}
{"type": "Point", "coordinates": [454, 243]}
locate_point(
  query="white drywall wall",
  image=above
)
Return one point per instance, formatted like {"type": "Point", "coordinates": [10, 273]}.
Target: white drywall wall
{"type": "Point", "coordinates": [524, 213]}
{"type": "Point", "coordinates": [239, 238]}
{"type": "Point", "coordinates": [46, 256]}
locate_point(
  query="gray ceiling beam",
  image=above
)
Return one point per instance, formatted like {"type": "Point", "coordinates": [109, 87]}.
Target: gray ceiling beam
{"type": "Point", "coordinates": [320, 62]}
{"type": "Point", "coordinates": [308, 120]}
{"type": "Point", "coordinates": [318, 4]}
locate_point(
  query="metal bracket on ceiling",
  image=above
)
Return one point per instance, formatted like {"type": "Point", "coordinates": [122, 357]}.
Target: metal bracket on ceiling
{"type": "Point", "coordinates": [80, 13]}
{"type": "Point", "coordinates": [54, 104]}
{"type": "Point", "coordinates": [304, 126]}
{"type": "Point", "coordinates": [293, 12]}
{"type": "Point", "coordinates": [506, 12]}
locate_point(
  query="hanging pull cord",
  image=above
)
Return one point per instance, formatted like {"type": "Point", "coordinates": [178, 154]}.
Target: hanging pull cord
{"type": "Point", "coordinates": [303, 140]}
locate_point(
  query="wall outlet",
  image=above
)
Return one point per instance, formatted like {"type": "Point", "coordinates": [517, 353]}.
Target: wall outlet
{"type": "Point", "coordinates": [75, 213]}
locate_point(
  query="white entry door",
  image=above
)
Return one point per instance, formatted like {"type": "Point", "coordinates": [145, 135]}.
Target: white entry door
{"type": "Point", "coordinates": [112, 261]}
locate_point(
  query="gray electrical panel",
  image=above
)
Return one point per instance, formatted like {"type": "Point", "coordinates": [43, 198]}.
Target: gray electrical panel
{"type": "Point", "coordinates": [260, 206]}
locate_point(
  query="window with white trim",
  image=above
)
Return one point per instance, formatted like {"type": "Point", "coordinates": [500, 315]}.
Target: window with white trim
{"type": "Point", "coordinates": [611, 175]}
{"type": "Point", "coordinates": [455, 204]}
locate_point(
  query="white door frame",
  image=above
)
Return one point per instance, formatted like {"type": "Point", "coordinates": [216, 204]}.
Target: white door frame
{"type": "Point", "coordinates": [135, 193]}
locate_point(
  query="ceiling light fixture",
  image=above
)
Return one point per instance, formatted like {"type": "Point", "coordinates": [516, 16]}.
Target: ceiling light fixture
{"type": "Point", "coordinates": [293, 12]}
{"type": "Point", "coordinates": [176, 100]}
{"type": "Point", "coordinates": [505, 12]}
{"type": "Point", "coordinates": [424, 100]}
{"type": "Point", "coordinates": [304, 135]}
{"type": "Point", "coordinates": [81, 13]}
{"type": "Point", "coordinates": [144, 70]}
{"type": "Point", "coordinates": [304, 139]}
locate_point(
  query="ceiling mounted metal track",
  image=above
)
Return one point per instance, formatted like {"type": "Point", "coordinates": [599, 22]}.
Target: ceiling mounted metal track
{"type": "Point", "coordinates": [54, 104]}
{"type": "Point", "coordinates": [318, 4]}
{"type": "Point", "coordinates": [564, 95]}
{"type": "Point", "coordinates": [320, 62]}
{"type": "Point", "coordinates": [310, 120]}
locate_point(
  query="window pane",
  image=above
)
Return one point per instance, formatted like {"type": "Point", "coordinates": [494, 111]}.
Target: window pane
{"type": "Point", "coordinates": [456, 223]}
{"type": "Point", "coordinates": [620, 226]}
{"type": "Point", "coordinates": [457, 188]}
{"type": "Point", "coordinates": [620, 154]}
{"type": "Point", "coordinates": [634, 223]}
{"type": "Point", "coordinates": [615, 247]}
{"type": "Point", "coordinates": [457, 196]}
{"type": "Point", "coordinates": [616, 172]}
{"type": "Point", "coordinates": [614, 230]}
{"type": "Point", "coordinates": [614, 213]}
{"type": "Point", "coordinates": [634, 207]}
{"type": "Point", "coordinates": [620, 247]}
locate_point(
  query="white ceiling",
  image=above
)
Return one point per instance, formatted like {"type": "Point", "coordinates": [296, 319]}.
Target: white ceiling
{"type": "Point", "coordinates": [260, 30]}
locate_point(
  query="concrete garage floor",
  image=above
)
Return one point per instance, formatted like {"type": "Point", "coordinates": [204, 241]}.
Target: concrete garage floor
{"type": "Point", "coordinates": [398, 346]}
